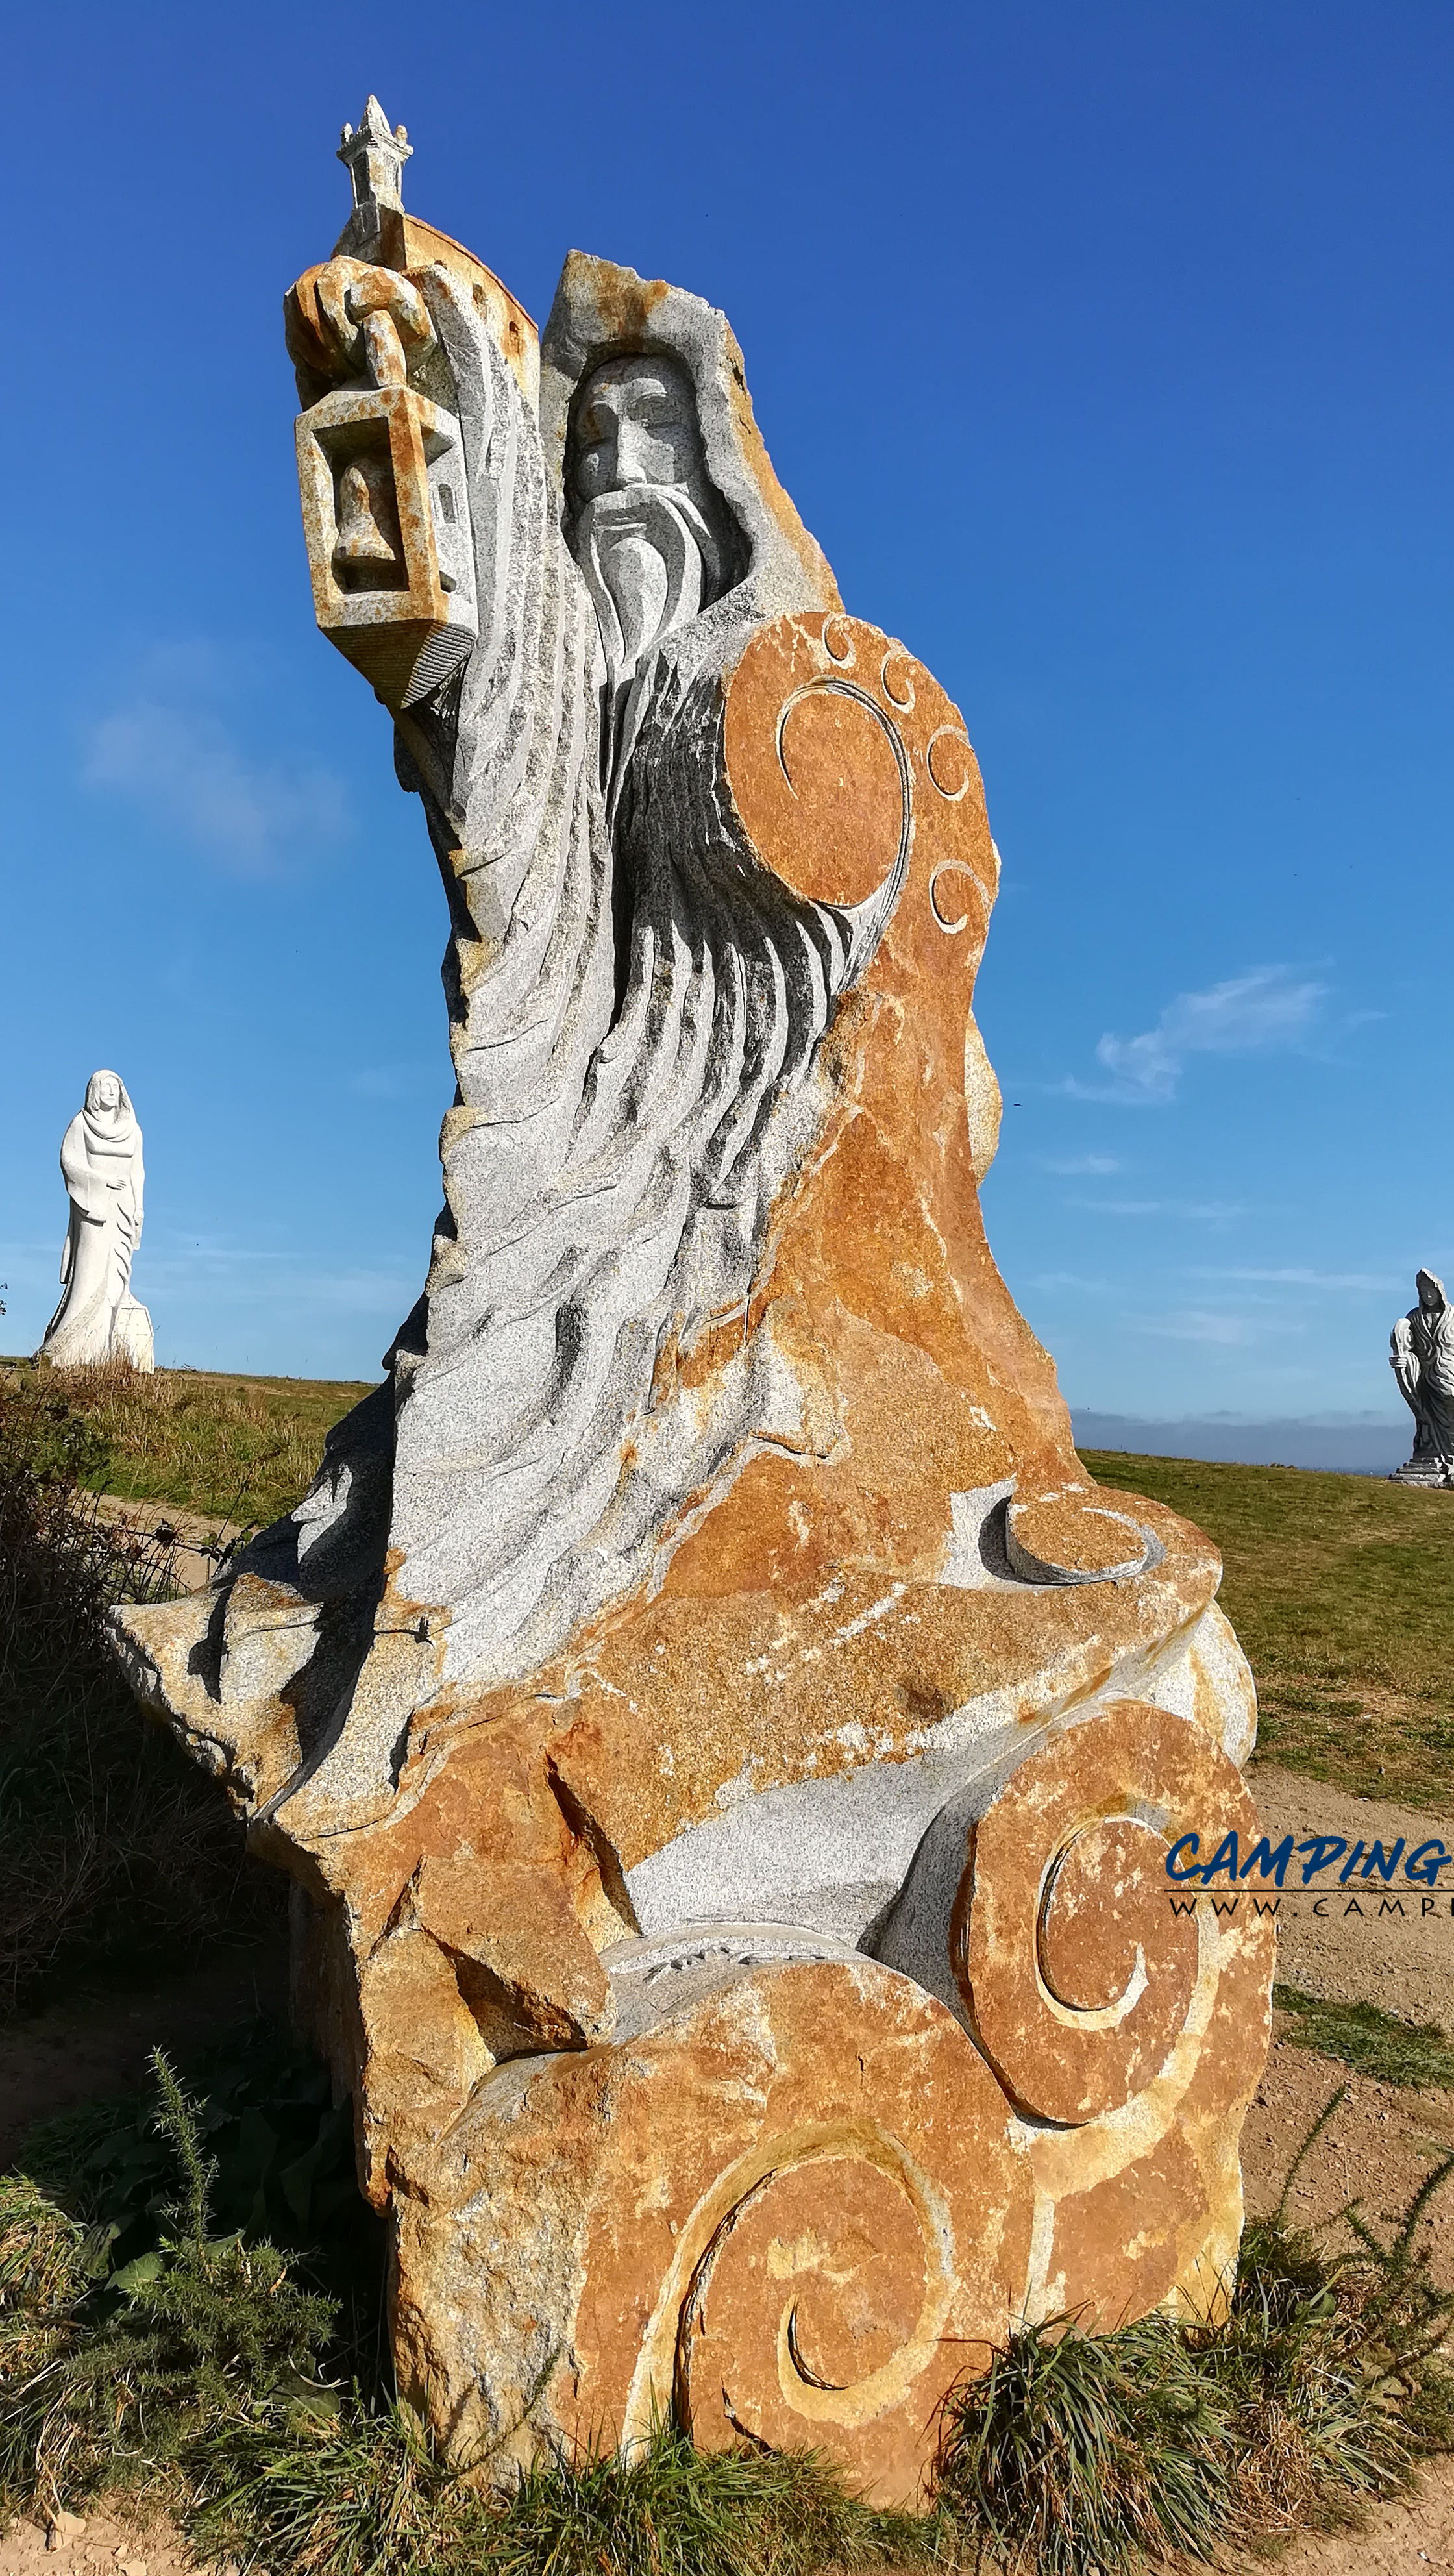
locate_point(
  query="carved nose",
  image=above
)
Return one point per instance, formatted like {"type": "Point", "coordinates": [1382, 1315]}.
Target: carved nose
{"type": "Point", "coordinates": [634, 455]}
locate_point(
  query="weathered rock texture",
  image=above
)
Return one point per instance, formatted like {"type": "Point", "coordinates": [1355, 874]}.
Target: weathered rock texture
{"type": "Point", "coordinates": [724, 1745]}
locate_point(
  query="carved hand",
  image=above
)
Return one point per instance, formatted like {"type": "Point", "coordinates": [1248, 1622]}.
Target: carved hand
{"type": "Point", "coordinates": [347, 317]}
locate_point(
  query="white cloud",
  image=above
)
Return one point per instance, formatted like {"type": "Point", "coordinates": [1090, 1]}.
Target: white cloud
{"type": "Point", "coordinates": [1119, 1207]}
{"type": "Point", "coordinates": [1087, 1167]}
{"type": "Point", "coordinates": [1247, 1015]}
{"type": "Point", "coordinates": [1196, 1211]}
{"type": "Point", "coordinates": [250, 1274]}
{"type": "Point", "coordinates": [1385, 1285]}
{"type": "Point", "coordinates": [1196, 1325]}
{"type": "Point", "coordinates": [1049, 1280]}
{"type": "Point", "coordinates": [185, 766]}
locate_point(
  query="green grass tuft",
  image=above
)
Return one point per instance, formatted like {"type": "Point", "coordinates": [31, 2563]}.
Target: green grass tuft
{"type": "Point", "coordinates": [1417, 2054]}
{"type": "Point", "coordinates": [1339, 1589]}
{"type": "Point", "coordinates": [1076, 2451]}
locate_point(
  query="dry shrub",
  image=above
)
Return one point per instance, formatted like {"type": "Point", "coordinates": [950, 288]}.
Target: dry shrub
{"type": "Point", "coordinates": [246, 1448]}
{"type": "Point", "coordinates": [115, 1853]}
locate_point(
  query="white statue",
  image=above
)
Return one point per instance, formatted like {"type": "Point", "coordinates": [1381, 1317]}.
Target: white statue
{"type": "Point", "coordinates": [98, 1318]}
{"type": "Point", "coordinates": [1421, 1356]}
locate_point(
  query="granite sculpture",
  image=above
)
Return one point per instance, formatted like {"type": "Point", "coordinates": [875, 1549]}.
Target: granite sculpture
{"type": "Point", "coordinates": [725, 1746]}
{"type": "Point", "coordinates": [1421, 1356]}
{"type": "Point", "coordinates": [98, 1318]}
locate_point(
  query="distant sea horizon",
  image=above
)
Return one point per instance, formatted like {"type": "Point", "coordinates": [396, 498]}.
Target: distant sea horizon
{"type": "Point", "coordinates": [1347, 1444]}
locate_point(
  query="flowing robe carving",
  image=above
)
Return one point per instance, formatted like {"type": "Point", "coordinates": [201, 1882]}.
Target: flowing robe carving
{"type": "Point", "coordinates": [725, 1745]}
{"type": "Point", "coordinates": [1421, 1356]}
{"type": "Point", "coordinates": [101, 1163]}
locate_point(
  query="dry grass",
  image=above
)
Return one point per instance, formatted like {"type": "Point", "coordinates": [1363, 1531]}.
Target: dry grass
{"type": "Point", "coordinates": [1340, 1589]}
{"type": "Point", "coordinates": [244, 1447]}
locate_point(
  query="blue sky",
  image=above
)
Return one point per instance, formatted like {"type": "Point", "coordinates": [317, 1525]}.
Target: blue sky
{"type": "Point", "coordinates": [1106, 350]}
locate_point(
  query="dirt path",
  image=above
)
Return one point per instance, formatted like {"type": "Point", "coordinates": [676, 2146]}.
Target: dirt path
{"type": "Point", "coordinates": [1412, 2536]}
{"type": "Point", "coordinates": [96, 2545]}
{"type": "Point", "coordinates": [190, 1541]}
{"type": "Point", "coordinates": [1377, 2149]}
{"type": "Point", "coordinates": [1403, 1962]}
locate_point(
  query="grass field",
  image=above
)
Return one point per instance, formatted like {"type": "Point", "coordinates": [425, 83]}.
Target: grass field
{"type": "Point", "coordinates": [1340, 1588]}
{"type": "Point", "coordinates": [1416, 2055]}
{"type": "Point", "coordinates": [244, 1447]}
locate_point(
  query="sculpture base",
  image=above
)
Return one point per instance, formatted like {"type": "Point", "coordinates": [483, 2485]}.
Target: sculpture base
{"type": "Point", "coordinates": [89, 1345]}
{"type": "Point", "coordinates": [131, 1336]}
{"type": "Point", "coordinates": [1435, 1473]}
{"type": "Point", "coordinates": [792, 2196]}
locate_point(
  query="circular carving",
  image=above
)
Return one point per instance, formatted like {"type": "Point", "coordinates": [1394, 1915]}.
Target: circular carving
{"type": "Point", "coordinates": [846, 770]}
{"type": "Point", "coordinates": [1065, 1538]}
{"type": "Point", "coordinates": [832, 2270]}
{"type": "Point", "coordinates": [1079, 1979]}
{"type": "Point", "coordinates": [827, 733]}
{"type": "Point", "coordinates": [952, 924]}
{"type": "Point", "coordinates": [897, 677]}
{"type": "Point", "coordinates": [821, 2207]}
{"type": "Point", "coordinates": [1102, 1916]}
{"type": "Point", "coordinates": [950, 762]}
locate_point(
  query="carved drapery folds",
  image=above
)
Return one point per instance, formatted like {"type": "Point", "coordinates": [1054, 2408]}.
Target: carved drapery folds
{"type": "Point", "coordinates": [98, 1318]}
{"type": "Point", "coordinates": [725, 1745]}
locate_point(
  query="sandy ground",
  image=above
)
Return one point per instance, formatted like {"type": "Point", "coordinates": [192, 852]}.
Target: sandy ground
{"type": "Point", "coordinates": [1404, 1962]}
{"type": "Point", "coordinates": [97, 2545]}
{"type": "Point", "coordinates": [1414, 2536]}
{"type": "Point", "coordinates": [1377, 2149]}
{"type": "Point", "coordinates": [191, 1539]}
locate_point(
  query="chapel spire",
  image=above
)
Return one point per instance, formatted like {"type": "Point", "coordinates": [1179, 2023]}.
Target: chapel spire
{"type": "Point", "coordinates": [374, 153]}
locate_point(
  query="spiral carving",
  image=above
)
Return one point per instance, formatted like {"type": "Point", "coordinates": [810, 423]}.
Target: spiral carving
{"type": "Point", "coordinates": [835, 2270]}
{"type": "Point", "coordinates": [788, 2201]}
{"type": "Point", "coordinates": [850, 2222]}
{"type": "Point", "coordinates": [1076, 1976]}
{"type": "Point", "coordinates": [871, 771]}
{"type": "Point", "coordinates": [1139, 2031]}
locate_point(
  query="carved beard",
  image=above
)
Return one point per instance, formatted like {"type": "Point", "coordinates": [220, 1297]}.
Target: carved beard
{"type": "Point", "coordinates": [651, 563]}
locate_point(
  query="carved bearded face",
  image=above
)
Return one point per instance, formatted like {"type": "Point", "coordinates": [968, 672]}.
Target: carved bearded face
{"type": "Point", "coordinates": [646, 533]}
